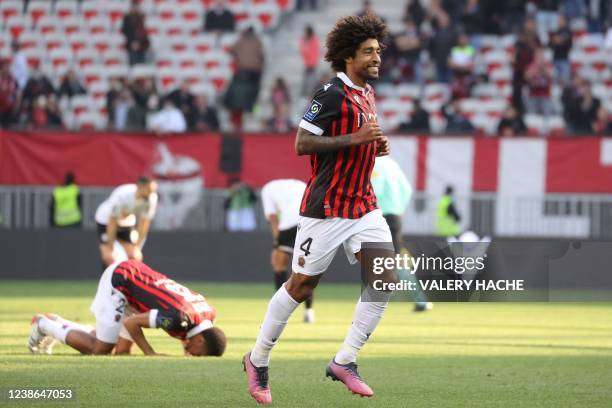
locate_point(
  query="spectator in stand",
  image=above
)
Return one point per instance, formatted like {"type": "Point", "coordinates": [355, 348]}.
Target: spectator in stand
{"type": "Point", "coordinates": [583, 113]}
{"type": "Point", "coordinates": [38, 84]}
{"type": "Point", "coordinates": [539, 79]}
{"type": "Point", "coordinates": [115, 88]}
{"type": "Point", "coordinates": [9, 100]}
{"type": "Point", "coordinates": [310, 49]}
{"type": "Point", "coordinates": [145, 94]}
{"type": "Point", "coordinates": [279, 95]}
{"type": "Point", "coordinates": [242, 92]}
{"type": "Point", "coordinates": [169, 119]}
{"type": "Point", "coordinates": [19, 66]}
{"type": "Point", "coordinates": [54, 113]}
{"type": "Point", "coordinates": [456, 120]}
{"type": "Point", "coordinates": [71, 85]}
{"type": "Point", "coordinates": [608, 38]}
{"type": "Point", "coordinates": [42, 116]}
{"type": "Point", "coordinates": [418, 121]}
{"type": "Point", "coordinates": [128, 115]}
{"type": "Point", "coordinates": [441, 45]}
{"type": "Point", "coordinates": [240, 207]}
{"type": "Point", "coordinates": [219, 19]}
{"type": "Point", "coordinates": [461, 63]}
{"type": "Point", "coordinates": [511, 124]}
{"type": "Point", "coordinates": [561, 44]}
{"type": "Point", "coordinates": [472, 20]}
{"type": "Point", "coordinates": [603, 124]}
{"type": "Point", "coordinates": [280, 122]}
{"type": "Point", "coordinates": [407, 46]}
{"type": "Point", "coordinates": [136, 37]}
{"type": "Point", "coordinates": [570, 99]}
{"type": "Point", "coordinates": [183, 99]}
{"type": "Point", "coordinates": [524, 50]}
{"type": "Point", "coordinates": [205, 117]}
{"type": "Point", "coordinates": [546, 17]}
{"type": "Point", "coordinates": [416, 12]}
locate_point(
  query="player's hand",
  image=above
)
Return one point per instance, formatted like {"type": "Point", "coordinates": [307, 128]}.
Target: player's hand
{"type": "Point", "coordinates": [369, 132]}
{"type": "Point", "coordinates": [382, 147]}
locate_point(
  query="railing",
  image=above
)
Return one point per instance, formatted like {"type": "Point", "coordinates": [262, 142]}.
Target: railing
{"type": "Point", "coordinates": [583, 216]}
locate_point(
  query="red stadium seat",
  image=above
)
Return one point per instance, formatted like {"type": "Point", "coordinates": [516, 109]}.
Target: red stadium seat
{"type": "Point", "coordinates": [54, 41]}
{"type": "Point", "coordinates": [10, 8]}
{"type": "Point", "coordinates": [92, 9]}
{"type": "Point", "coordinates": [48, 25]}
{"type": "Point", "coordinates": [66, 8]}
{"type": "Point", "coordinates": [60, 58]}
{"type": "Point", "coordinates": [38, 9]}
{"type": "Point", "coordinates": [17, 25]}
{"type": "Point", "coordinates": [73, 25]}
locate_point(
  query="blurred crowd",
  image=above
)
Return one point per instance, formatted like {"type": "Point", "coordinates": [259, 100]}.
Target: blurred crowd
{"type": "Point", "coordinates": [439, 43]}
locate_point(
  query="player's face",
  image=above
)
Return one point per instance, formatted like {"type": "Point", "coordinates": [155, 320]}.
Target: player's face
{"type": "Point", "coordinates": [366, 62]}
{"type": "Point", "coordinates": [196, 346]}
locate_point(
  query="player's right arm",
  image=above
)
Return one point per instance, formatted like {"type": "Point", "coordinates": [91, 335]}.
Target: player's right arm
{"type": "Point", "coordinates": [134, 325]}
{"type": "Point", "coordinates": [307, 142]}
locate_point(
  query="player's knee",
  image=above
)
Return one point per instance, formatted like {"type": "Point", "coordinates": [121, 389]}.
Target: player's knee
{"type": "Point", "coordinates": [300, 287]}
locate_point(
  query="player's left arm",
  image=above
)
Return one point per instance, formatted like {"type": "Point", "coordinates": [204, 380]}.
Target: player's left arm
{"type": "Point", "coordinates": [134, 325]}
{"type": "Point", "coordinates": [273, 218]}
{"type": "Point", "coordinates": [144, 222]}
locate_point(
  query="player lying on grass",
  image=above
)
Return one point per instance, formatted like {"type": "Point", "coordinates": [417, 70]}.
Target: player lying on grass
{"type": "Point", "coordinates": [159, 302]}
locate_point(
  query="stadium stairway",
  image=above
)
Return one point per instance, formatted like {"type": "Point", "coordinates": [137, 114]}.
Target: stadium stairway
{"type": "Point", "coordinates": [283, 57]}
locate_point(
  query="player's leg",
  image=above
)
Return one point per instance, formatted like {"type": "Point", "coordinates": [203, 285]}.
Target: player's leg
{"type": "Point", "coordinates": [48, 328]}
{"type": "Point", "coordinates": [368, 310]}
{"type": "Point", "coordinates": [279, 261]}
{"type": "Point", "coordinates": [311, 258]}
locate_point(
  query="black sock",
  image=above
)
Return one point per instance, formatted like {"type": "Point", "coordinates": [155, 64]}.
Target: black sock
{"type": "Point", "coordinates": [279, 279]}
{"type": "Point", "coordinates": [308, 302]}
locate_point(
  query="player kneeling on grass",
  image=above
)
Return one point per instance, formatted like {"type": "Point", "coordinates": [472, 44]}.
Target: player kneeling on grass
{"type": "Point", "coordinates": [158, 302]}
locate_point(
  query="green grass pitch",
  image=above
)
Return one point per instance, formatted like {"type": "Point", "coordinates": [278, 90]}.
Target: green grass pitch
{"type": "Point", "coordinates": [457, 355]}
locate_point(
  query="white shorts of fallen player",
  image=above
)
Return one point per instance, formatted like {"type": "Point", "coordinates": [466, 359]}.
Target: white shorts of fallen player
{"type": "Point", "coordinates": [109, 307]}
{"type": "Point", "coordinates": [318, 240]}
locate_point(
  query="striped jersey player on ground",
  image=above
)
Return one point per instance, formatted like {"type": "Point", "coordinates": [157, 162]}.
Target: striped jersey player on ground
{"type": "Point", "coordinates": [156, 301]}
{"type": "Point", "coordinates": [340, 133]}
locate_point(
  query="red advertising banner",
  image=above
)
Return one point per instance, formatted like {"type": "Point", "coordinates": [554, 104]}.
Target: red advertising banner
{"type": "Point", "coordinates": [522, 166]}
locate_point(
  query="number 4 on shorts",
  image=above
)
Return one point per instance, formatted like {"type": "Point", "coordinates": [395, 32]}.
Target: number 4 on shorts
{"type": "Point", "coordinates": [305, 246]}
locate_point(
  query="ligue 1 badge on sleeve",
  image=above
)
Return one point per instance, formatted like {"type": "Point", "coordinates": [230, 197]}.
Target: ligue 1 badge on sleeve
{"type": "Point", "coordinates": [313, 111]}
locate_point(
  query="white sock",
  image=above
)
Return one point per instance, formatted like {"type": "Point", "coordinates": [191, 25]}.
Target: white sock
{"type": "Point", "coordinates": [59, 329]}
{"type": "Point", "coordinates": [367, 316]}
{"type": "Point", "coordinates": [280, 308]}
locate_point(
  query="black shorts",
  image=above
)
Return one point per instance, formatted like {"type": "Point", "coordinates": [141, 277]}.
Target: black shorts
{"type": "Point", "coordinates": [286, 240]}
{"type": "Point", "coordinates": [123, 234]}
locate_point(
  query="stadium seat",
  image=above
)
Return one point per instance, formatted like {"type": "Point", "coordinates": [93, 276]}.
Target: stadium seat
{"type": "Point", "coordinates": [97, 25]}
{"type": "Point", "coordinates": [219, 78]}
{"type": "Point", "coordinates": [115, 11]}
{"type": "Point", "coordinates": [76, 42]}
{"type": "Point", "coordinates": [89, 121]}
{"type": "Point", "coordinates": [86, 57]}
{"type": "Point", "coordinates": [16, 25]}
{"type": "Point", "coordinates": [92, 9]}
{"type": "Point", "coordinates": [10, 8]}
{"type": "Point", "coordinates": [29, 39]}
{"type": "Point", "coordinates": [98, 90]}
{"type": "Point", "coordinates": [204, 42]}
{"type": "Point", "coordinates": [93, 74]}
{"type": "Point", "coordinates": [192, 75]}
{"type": "Point", "coordinates": [142, 71]}
{"type": "Point", "coordinates": [48, 25]}
{"type": "Point", "coordinates": [80, 104]}
{"type": "Point", "coordinates": [485, 91]}
{"type": "Point", "coordinates": [205, 88]}
{"type": "Point", "coordinates": [167, 78]}
{"type": "Point", "coordinates": [215, 59]}
{"type": "Point", "coordinates": [167, 11]}
{"type": "Point", "coordinates": [34, 56]}
{"type": "Point", "coordinates": [114, 58]}
{"type": "Point", "coordinates": [60, 58]}
{"type": "Point", "coordinates": [435, 96]}
{"type": "Point", "coordinates": [39, 8]}
{"type": "Point", "coordinates": [535, 124]}
{"type": "Point", "coordinates": [73, 25]}
{"type": "Point", "coordinates": [268, 14]}
{"type": "Point", "coordinates": [408, 92]}
{"type": "Point", "coordinates": [227, 40]}
{"type": "Point", "coordinates": [66, 8]}
{"type": "Point", "coordinates": [53, 41]}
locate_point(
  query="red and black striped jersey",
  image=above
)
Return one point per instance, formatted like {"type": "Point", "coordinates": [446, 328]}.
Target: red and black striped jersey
{"type": "Point", "coordinates": [176, 309]}
{"type": "Point", "coordinates": [339, 184]}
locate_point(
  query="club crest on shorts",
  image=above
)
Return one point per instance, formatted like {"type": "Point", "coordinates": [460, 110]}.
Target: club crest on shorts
{"type": "Point", "coordinates": [313, 111]}
{"type": "Point", "coordinates": [301, 261]}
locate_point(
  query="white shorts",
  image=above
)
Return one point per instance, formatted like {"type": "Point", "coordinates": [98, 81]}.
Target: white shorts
{"type": "Point", "coordinates": [318, 240]}
{"type": "Point", "coordinates": [108, 307]}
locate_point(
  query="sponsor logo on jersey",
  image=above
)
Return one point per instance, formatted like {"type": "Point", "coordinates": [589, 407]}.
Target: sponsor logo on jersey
{"type": "Point", "coordinates": [313, 111]}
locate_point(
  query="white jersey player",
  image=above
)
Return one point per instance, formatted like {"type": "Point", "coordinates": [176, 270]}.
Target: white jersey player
{"type": "Point", "coordinates": [124, 219]}
{"type": "Point", "coordinates": [281, 205]}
